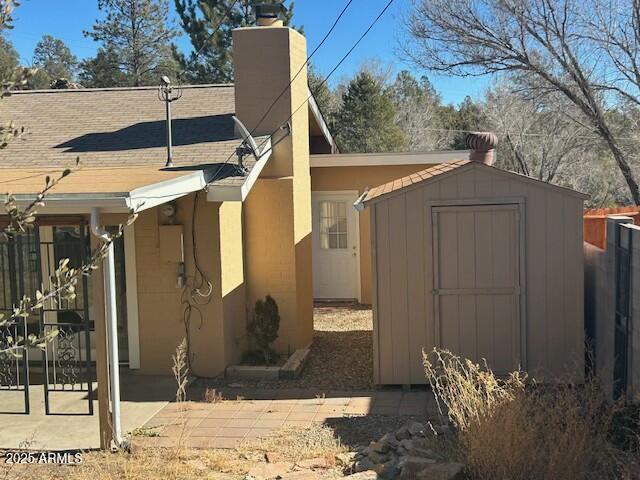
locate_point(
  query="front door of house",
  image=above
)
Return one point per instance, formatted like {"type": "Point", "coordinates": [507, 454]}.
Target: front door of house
{"type": "Point", "coordinates": [476, 252]}
{"type": "Point", "coordinates": [335, 246]}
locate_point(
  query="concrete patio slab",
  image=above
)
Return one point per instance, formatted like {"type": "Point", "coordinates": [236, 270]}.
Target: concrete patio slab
{"type": "Point", "coordinates": [142, 398]}
{"type": "Point", "coordinates": [228, 423]}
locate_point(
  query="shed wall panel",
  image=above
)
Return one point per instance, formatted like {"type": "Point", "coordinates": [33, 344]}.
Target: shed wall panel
{"type": "Point", "coordinates": [552, 281]}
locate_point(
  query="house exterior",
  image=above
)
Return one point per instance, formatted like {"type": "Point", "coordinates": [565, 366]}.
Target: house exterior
{"type": "Point", "coordinates": [480, 261]}
{"type": "Point", "coordinates": [212, 235]}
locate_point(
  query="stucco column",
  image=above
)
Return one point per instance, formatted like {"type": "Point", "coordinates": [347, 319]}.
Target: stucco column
{"type": "Point", "coordinates": [277, 219]}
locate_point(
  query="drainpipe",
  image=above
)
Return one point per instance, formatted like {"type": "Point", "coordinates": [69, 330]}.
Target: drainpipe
{"type": "Point", "coordinates": [112, 324]}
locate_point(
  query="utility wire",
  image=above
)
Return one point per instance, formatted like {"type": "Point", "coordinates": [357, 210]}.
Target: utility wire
{"type": "Point", "coordinates": [335, 68]}
{"type": "Point", "coordinates": [285, 89]}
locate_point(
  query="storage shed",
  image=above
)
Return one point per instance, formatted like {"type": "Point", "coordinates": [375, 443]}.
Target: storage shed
{"type": "Point", "coordinates": [484, 262]}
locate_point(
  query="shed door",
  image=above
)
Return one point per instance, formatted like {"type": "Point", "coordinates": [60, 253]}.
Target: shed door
{"type": "Point", "coordinates": [477, 283]}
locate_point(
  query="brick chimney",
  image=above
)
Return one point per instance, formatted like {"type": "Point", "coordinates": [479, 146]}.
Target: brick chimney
{"type": "Point", "coordinates": [482, 146]}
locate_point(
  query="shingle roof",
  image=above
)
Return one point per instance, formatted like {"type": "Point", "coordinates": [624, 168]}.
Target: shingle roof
{"type": "Point", "coordinates": [432, 172]}
{"type": "Point", "coordinates": [414, 178]}
{"type": "Point", "coordinates": [121, 127]}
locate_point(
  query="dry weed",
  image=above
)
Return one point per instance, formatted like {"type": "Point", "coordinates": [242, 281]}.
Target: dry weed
{"type": "Point", "coordinates": [509, 429]}
{"type": "Point", "coordinates": [295, 444]}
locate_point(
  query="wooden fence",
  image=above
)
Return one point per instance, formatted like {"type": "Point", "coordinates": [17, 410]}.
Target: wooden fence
{"type": "Point", "coordinates": [595, 223]}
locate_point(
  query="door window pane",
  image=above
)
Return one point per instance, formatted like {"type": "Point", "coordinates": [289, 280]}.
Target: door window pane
{"type": "Point", "coordinates": [333, 225]}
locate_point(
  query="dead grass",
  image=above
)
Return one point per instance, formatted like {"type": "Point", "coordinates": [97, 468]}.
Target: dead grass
{"type": "Point", "coordinates": [289, 445]}
{"type": "Point", "coordinates": [512, 429]}
{"type": "Point", "coordinates": [296, 444]}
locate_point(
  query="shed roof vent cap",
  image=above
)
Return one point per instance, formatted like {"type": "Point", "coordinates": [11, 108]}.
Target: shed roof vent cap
{"type": "Point", "coordinates": [267, 14]}
{"type": "Point", "coordinates": [482, 145]}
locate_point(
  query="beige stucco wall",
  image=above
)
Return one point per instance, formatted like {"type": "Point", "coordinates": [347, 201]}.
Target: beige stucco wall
{"type": "Point", "coordinates": [404, 278]}
{"type": "Point", "coordinates": [277, 212]}
{"type": "Point", "coordinates": [217, 327]}
{"type": "Point", "coordinates": [329, 179]}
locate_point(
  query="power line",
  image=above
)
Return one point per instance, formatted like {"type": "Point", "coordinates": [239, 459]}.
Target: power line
{"type": "Point", "coordinates": [335, 68]}
{"type": "Point", "coordinates": [304, 65]}
{"type": "Point", "coordinates": [525, 134]}
{"type": "Point", "coordinates": [330, 31]}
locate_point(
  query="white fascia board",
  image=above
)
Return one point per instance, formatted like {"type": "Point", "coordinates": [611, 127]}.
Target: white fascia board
{"type": "Point", "coordinates": [315, 110]}
{"type": "Point", "coordinates": [150, 196]}
{"type": "Point", "coordinates": [239, 193]}
{"type": "Point", "coordinates": [139, 199]}
{"type": "Point", "coordinates": [64, 204]}
{"type": "Point", "coordinates": [384, 159]}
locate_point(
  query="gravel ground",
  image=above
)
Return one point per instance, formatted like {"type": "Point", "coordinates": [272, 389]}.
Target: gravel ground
{"type": "Point", "coordinates": [341, 355]}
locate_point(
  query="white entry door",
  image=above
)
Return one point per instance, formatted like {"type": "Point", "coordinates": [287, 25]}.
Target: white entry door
{"type": "Point", "coordinates": [336, 264]}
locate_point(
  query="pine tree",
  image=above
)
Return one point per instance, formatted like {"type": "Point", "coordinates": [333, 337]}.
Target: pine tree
{"type": "Point", "coordinates": [467, 117]}
{"type": "Point", "coordinates": [328, 101]}
{"type": "Point", "coordinates": [366, 120]}
{"type": "Point", "coordinates": [54, 61]}
{"type": "Point", "coordinates": [102, 71]}
{"type": "Point", "coordinates": [211, 58]}
{"type": "Point", "coordinates": [137, 33]}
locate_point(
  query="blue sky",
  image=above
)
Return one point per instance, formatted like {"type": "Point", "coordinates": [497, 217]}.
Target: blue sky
{"type": "Point", "coordinates": [68, 18]}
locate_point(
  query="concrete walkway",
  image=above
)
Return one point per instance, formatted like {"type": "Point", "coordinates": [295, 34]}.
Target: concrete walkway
{"type": "Point", "coordinates": [226, 424]}
{"type": "Point", "coordinates": [142, 398]}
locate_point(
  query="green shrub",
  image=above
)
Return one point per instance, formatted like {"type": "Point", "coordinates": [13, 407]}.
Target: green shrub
{"type": "Point", "coordinates": [263, 328]}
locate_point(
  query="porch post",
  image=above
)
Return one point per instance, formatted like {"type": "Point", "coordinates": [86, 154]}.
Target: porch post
{"type": "Point", "coordinates": [102, 367]}
{"type": "Point", "coordinates": [111, 330]}
{"type": "Point", "coordinates": [112, 340]}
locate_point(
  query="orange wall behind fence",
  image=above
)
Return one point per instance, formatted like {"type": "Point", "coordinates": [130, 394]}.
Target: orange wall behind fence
{"type": "Point", "coordinates": [595, 222]}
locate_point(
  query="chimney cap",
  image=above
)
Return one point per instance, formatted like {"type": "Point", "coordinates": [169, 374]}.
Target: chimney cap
{"type": "Point", "coordinates": [269, 10]}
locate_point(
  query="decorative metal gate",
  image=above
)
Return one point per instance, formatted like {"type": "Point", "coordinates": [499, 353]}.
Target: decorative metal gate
{"type": "Point", "coordinates": [622, 312]}
{"type": "Point", "coordinates": [15, 282]}
{"type": "Point", "coordinates": [64, 364]}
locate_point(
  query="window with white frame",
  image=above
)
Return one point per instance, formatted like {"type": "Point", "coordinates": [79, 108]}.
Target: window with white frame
{"type": "Point", "coordinates": [333, 225]}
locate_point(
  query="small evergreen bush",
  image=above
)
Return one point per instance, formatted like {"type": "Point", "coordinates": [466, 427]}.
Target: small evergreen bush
{"type": "Point", "coordinates": [263, 328]}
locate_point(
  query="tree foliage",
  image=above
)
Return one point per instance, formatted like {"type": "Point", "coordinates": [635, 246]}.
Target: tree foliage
{"type": "Point", "coordinates": [9, 59]}
{"type": "Point", "coordinates": [136, 32]}
{"type": "Point", "coordinates": [417, 107]}
{"type": "Point", "coordinates": [366, 119]}
{"type": "Point", "coordinates": [209, 25]}
{"type": "Point", "coordinates": [588, 51]}
{"type": "Point", "coordinates": [103, 70]}
{"type": "Point", "coordinates": [61, 285]}
{"type": "Point", "coordinates": [54, 61]}
{"type": "Point", "coordinates": [328, 100]}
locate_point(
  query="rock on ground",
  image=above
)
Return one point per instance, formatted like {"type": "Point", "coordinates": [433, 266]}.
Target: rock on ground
{"type": "Point", "coordinates": [406, 454]}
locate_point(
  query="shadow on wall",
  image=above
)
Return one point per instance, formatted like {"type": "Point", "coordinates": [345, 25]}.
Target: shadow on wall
{"type": "Point", "coordinates": [186, 131]}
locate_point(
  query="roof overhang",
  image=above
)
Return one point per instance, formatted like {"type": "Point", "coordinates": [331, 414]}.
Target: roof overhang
{"type": "Point", "coordinates": [387, 159]}
{"type": "Point", "coordinates": [151, 195]}
{"type": "Point", "coordinates": [238, 193]}
{"type": "Point", "coordinates": [315, 112]}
